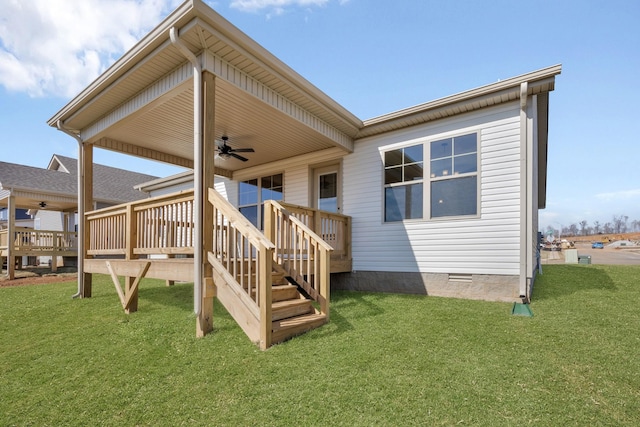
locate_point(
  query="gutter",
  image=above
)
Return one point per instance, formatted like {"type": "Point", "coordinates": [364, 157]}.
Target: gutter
{"type": "Point", "coordinates": [198, 178]}
{"type": "Point", "coordinates": [80, 209]}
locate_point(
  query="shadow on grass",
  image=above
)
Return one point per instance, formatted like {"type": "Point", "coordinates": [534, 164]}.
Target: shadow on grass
{"type": "Point", "coordinates": [360, 306]}
{"type": "Point", "coordinates": [179, 296]}
{"type": "Point", "coordinates": [563, 280]}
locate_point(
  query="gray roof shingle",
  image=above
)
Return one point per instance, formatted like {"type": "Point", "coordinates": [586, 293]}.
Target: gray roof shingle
{"type": "Point", "coordinates": [110, 184]}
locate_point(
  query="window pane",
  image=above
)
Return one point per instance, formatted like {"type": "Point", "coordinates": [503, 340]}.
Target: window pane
{"type": "Point", "coordinates": [441, 167]}
{"type": "Point", "coordinates": [277, 180]}
{"type": "Point", "coordinates": [442, 148]}
{"type": "Point", "coordinates": [393, 175]}
{"type": "Point", "coordinates": [266, 182]}
{"type": "Point", "coordinates": [393, 204]}
{"type": "Point", "coordinates": [248, 192]}
{"type": "Point", "coordinates": [328, 185]}
{"type": "Point", "coordinates": [413, 172]}
{"type": "Point", "coordinates": [414, 205]}
{"type": "Point", "coordinates": [465, 164]}
{"type": "Point", "coordinates": [454, 197]}
{"type": "Point", "coordinates": [465, 144]}
{"type": "Point", "coordinates": [251, 213]}
{"type": "Point", "coordinates": [403, 202]}
{"type": "Point", "coordinates": [393, 158]}
{"type": "Point", "coordinates": [413, 154]}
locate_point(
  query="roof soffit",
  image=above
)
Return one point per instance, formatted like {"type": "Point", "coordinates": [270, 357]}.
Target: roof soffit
{"type": "Point", "coordinates": [154, 56]}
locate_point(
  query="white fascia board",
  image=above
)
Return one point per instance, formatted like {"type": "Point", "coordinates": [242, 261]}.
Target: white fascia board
{"type": "Point", "coordinates": [156, 39]}
{"type": "Point", "coordinates": [544, 75]}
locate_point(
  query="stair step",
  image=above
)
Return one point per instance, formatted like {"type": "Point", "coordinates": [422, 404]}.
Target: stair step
{"type": "Point", "coordinates": [287, 328]}
{"type": "Point", "coordinates": [284, 292]}
{"type": "Point", "coordinates": [290, 308]}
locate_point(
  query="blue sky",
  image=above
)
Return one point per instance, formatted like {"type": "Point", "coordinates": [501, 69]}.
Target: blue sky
{"type": "Point", "coordinates": [373, 57]}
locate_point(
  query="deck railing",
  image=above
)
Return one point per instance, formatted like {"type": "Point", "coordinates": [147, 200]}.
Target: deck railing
{"type": "Point", "coordinates": [333, 228]}
{"type": "Point", "coordinates": [32, 241]}
{"type": "Point", "coordinates": [303, 254]}
{"type": "Point", "coordinates": [159, 225]}
{"type": "Point", "coordinates": [242, 252]}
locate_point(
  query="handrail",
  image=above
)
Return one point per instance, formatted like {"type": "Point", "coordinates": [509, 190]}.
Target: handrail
{"type": "Point", "coordinates": [4, 234]}
{"type": "Point", "coordinates": [334, 228]}
{"type": "Point", "coordinates": [27, 239]}
{"type": "Point", "coordinates": [303, 254]}
{"type": "Point", "coordinates": [242, 251]}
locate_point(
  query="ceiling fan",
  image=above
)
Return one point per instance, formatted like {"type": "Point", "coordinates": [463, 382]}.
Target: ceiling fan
{"type": "Point", "coordinates": [225, 151]}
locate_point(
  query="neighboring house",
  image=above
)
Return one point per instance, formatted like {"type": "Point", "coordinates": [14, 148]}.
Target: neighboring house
{"type": "Point", "coordinates": [50, 194]}
{"type": "Point", "coordinates": [443, 197]}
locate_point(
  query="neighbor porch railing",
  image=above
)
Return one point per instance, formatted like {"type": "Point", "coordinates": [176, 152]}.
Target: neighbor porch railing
{"type": "Point", "coordinates": [28, 241]}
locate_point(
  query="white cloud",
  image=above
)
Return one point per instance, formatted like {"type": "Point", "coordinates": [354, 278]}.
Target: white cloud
{"type": "Point", "coordinates": [57, 47]}
{"type": "Point", "coordinates": [278, 6]}
{"type": "Point", "coordinates": [619, 195]}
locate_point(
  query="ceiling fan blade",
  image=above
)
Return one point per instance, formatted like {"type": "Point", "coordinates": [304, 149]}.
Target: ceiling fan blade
{"type": "Point", "coordinates": [239, 157]}
{"type": "Point", "coordinates": [243, 150]}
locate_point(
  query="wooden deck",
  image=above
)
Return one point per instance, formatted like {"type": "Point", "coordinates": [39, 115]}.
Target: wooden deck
{"type": "Point", "coordinates": [31, 242]}
{"type": "Point", "coordinates": [153, 238]}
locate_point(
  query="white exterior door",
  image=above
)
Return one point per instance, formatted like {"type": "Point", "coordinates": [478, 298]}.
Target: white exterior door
{"type": "Point", "coordinates": [327, 188]}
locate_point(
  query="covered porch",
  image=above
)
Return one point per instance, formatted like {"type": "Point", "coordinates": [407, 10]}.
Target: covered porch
{"type": "Point", "coordinates": [190, 82]}
{"type": "Point", "coordinates": [18, 241]}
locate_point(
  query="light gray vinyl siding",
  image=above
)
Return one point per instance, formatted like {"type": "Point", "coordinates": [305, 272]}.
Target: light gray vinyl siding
{"type": "Point", "coordinates": [296, 185]}
{"type": "Point", "coordinates": [487, 244]}
{"type": "Point", "coordinates": [50, 220]}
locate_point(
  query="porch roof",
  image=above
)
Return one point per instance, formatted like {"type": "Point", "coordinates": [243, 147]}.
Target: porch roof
{"type": "Point", "coordinates": [143, 104]}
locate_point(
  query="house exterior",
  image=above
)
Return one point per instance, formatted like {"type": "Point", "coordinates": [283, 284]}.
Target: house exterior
{"type": "Point", "coordinates": [49, 195]}
{"type": "Point", "coordinates": [440, 198]}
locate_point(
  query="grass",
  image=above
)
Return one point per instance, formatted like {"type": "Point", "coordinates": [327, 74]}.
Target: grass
{"type": "Point", "coordinates": [383, 359]}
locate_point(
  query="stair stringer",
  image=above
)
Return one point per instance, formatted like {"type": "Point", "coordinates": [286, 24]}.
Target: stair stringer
{"type": "Point", "coordinates": [235, 300]}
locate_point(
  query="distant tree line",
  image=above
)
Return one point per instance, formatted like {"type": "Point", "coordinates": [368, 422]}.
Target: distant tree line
{"type": "Point", "coordinates": [619, 224]}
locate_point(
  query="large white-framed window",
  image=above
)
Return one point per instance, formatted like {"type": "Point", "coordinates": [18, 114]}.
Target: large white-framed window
{"type": "Point", "coordinates": [253, 192]}
{"type": "Point", "coordinates": [453, 176]}
{"type": "Point", "coordinates": [432, 180]}
{"type": "Point", "coordinates": [404, 183]}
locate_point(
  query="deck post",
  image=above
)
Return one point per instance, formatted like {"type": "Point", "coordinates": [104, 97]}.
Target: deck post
{"type": "Point", "coordinates": [208, 141]}
{"type": "Point", "coordinates": [11, 244]}
{"type": "Point", "coordinates": [87, 191]}
{"type": "Point", "coordinates": [265, 266]}
{"type": "Point", "coordinates": [130, 242]}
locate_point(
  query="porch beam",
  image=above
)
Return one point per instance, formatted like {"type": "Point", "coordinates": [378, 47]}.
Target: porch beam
{"type": "Point", "coordinates": [86, 188]}
{"type": "Point", "coordinates": [11, 225]}
{"type": "Point", "coordinates": [205, 319]}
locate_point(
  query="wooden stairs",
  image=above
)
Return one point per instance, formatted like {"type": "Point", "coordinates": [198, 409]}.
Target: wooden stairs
{"type": "Point", "coordinates": [291, 312]}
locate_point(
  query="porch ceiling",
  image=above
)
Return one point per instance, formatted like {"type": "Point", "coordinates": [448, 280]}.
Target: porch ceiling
{"type": "Point", "coordinates": [248, 122]}
{"type": "Point", "coordinates": [32, 200]}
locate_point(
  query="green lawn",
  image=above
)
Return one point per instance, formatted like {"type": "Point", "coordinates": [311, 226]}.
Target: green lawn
{"type": "Point", "coordinates": [383, 359]}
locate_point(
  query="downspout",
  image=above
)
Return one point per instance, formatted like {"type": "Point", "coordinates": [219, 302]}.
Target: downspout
{"type": "Point", "coordinates": [524, 174]}
{"type": "Point", "coordinates": [61, 127]}
{"type": "Point", "coordinates": [198, 197]}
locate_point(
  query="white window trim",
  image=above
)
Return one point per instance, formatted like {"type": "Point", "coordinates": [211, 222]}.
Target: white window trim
{"type": "Point", "coordinates": [426, 179]}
